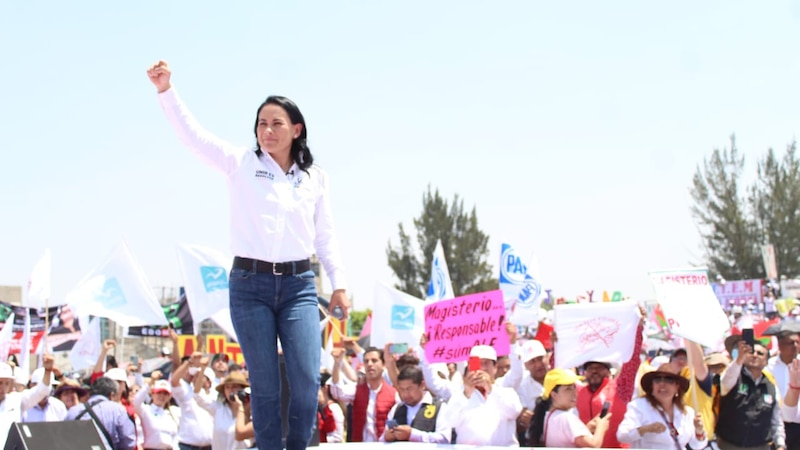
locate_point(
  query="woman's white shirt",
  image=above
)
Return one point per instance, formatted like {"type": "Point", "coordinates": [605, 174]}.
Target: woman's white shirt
{"type": "Point", "coordinates": [275, 216]}
{"type": "Point", "coordinates": [641, 412]}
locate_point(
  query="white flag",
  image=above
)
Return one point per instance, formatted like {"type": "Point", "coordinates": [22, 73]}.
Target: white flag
{"type": "Point", "coordinates": [522, 289]}
{"type": "Point", "coordinates": [25, 346]}
{"type": "Point", "coordinates": [223, 320]}
{"type": "Point", "coordinates": [603, 332]}
{"type": "Point", "coordinates": [398, 317]}
{"type": "Point", "coordinates": [118, 290]}
{"type": "Point", "coordinates": [690, 307]}
{"type": "Point", "coordinates": [205, 278]}
{"type": "Point", "coordinates": [86, 350]}
{"type": "Point", "coordinates": [6, 336]}
{"type": "Point", "coordinates": [440, 286]}
{"type": "Point", "coordinates": [39, 283]}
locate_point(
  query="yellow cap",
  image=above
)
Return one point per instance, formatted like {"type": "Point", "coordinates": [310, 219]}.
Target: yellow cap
{"type": "Point", "coordinates": [558, 377]}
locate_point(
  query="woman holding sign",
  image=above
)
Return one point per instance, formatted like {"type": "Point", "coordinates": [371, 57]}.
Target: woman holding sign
{"type": "Point", "coordinates": [280, 216]}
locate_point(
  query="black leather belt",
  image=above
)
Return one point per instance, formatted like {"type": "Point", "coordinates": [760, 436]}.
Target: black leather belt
{"type": "Point", "coordinates": [282, 268]}
{"type": "Point", "coordinates": [194, 447]}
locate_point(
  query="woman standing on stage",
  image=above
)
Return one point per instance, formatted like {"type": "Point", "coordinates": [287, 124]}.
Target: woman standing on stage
{"type": "Point", "coordinates": [280, 217]}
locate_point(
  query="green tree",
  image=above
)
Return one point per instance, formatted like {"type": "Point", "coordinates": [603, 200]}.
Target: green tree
{"type": "Point", "coordinates": [725, 219]}
{"type": "Point", "coordinates": [465, 248]}
{"type": "Point", "coordinates": [357, 319]}
{"type": "Point", "coordinates": [775, 196]}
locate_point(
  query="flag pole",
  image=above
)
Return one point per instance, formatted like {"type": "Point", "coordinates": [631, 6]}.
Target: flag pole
{"type": "Point", "coordinates": [329, 321]}
{"type": "Point", "coordinates": [46, 324]}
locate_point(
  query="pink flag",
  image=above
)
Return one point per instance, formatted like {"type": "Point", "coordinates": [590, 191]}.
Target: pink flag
{"type": "Point", "coordinates": [366, 330]}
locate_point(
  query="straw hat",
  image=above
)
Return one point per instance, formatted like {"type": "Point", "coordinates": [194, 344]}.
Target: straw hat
{"type": "Point", "coordinates": [70, 385]}
{"type": "Point", "coordinates": [647, 380]}
{"type": "Point", "coordinates": [233, 378]}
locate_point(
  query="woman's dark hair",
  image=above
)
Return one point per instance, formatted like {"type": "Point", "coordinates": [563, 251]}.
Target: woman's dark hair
{"type": "Point", "coordinates": [111, 362]}
{"type": "Point", "coordinates": [537, 421]}
{"type": "Point", "coordinates": [300, 152]}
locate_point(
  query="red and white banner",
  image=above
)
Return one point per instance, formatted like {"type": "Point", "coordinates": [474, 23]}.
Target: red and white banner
{"type": "Point", "coordinates": [603, 331]}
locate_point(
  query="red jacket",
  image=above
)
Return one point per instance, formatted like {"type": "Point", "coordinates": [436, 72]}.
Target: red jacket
{"type": "Point", "coordinates": [618, 391]}
{"type": "Point", "coordinates": [383, 403]}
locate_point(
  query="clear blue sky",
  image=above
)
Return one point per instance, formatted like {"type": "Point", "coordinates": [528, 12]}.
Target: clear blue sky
{"type": "Point", "coordinates": [573, 127]}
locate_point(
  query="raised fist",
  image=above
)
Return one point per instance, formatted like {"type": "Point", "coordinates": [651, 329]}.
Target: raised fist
{"type": "Point", "coordinates": [159, 75]}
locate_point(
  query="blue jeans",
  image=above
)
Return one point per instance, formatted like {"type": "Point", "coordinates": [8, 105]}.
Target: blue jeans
{"type": "Point", "coordinates": [263, 307]}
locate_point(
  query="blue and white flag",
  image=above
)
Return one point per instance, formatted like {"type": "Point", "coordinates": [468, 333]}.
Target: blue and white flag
{"type": "Point", "coordinates": [521, 286]}
{"type": "Point", "coordinates": [118, 290]}
{"type": "Point", "coordinates": [440, 286]}
{"type": "Point", "coordinates": [205, 278]}
{"type": "Point", "coordinates": [397, 318]}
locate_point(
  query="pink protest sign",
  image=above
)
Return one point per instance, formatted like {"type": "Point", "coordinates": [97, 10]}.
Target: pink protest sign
{"type": "Point", "coordinates": [455, 326]}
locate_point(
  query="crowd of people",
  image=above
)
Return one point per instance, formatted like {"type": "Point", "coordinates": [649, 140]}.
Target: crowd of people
{"type": "Point", "coordinates": [745, 397]}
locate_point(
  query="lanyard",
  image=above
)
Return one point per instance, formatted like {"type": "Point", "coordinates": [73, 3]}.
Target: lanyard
{"type": "Point", "coordinates": [672, 430]}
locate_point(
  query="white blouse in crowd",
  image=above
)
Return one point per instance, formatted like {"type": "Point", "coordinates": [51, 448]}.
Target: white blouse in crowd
{"type": "Point", "coordinates": [224, 435]}
{"type": "Point", "coordinates": [561, 428]}
{"type": "Point", "coordinates": [337, 435]}
{"type": "Point", "coordinates": [641, 412]}
{"type": "Point", "coordinates": [275, 216]}
{"type": "Point", "coordinates": [196, 424]}
{"type": "Point", "coordinates": [159, 425]}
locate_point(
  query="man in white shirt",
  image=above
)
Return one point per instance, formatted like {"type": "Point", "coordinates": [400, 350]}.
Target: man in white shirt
{"type": "Point", "coordinates": [49, 409]}
{"type": "Point", "coordinates": [14, 404]}
{"type": "Point", "coordinates": [778, 366]}
{"type": "Point", "coordinates": [528, 383]}
{"type": "Point", "coordinates": [196, 424]}
{"type": "Point", "coordinates": [485, 412]}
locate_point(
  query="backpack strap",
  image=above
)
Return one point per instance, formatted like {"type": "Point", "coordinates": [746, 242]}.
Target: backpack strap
{"type": "Point", "coordinates": [96, 420]}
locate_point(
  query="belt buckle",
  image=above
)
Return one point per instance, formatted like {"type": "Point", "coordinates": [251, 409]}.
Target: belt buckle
{"type": "Point", "coordinates": [275, 270]}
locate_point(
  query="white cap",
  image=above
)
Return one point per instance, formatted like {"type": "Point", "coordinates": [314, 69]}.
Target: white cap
{"type": "Point", "coordinates": [531, 349]}
{"type": "Point", "coordinates": [38, 375]}
{"type": "Point", "coordinates": [484, 352]}
{"type": "Point", "coordinates": [6, 371]}
{"type": "Point", "coordinates": [166, 351]}
{"type": "Point", "coordinates": [210, 374]}
{"type": "Point", "coordinates": [117, 374]}
{"type": "Point", "coordinates": [161, 385]}
{"type": "Point", "coordinates": [737, 309]}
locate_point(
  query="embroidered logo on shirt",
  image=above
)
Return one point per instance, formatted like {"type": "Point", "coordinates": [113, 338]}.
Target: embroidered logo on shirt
{"type": "Point", "coordinates": [214, 278]}
{"type": "Point", "coordinates": [265, 174]}
{"type": "Point", "coordinates": [429, 412]}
